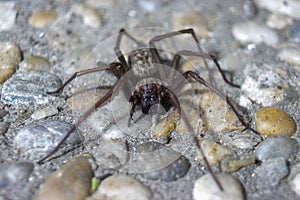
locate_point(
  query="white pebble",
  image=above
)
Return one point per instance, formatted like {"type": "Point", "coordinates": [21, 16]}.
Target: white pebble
{"type": "Point", "coordinates": [288, 7]}
{"type": "Point", "coordinates": [294, 179]}
{"type": "Point", "coordinates": [89, 15]}
{"type": "Point", "coordinates": [121, 187]}
{"type": "Point", "coordinates": [8, 15]}
{"type": "Point", "coordinates": [205, 188]}
{"type": "Point", "coordinates": [251, 31]}
{"type": "Point", "coordinates": [45, 112]}
{"type": "Point", "coordinates": [279, 21]}
{"type": "Point", "coordinates": [290, 55]}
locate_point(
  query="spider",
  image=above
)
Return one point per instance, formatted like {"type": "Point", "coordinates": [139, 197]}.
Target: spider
{"type": "Point", "coordinates": [148, 90]}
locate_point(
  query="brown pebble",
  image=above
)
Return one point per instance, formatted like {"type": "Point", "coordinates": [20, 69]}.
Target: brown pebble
{"type": "Point", "coordinates": [274, 122]}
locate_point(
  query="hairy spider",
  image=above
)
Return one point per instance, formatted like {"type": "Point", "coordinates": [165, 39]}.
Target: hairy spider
{"type": "Point", "coordinates": [150, 90]}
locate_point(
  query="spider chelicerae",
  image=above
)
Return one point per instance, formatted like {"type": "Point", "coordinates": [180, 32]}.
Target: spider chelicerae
{"type": "Point", "coordinates": [149, 89]}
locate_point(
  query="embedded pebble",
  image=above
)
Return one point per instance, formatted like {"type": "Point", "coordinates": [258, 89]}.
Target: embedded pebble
{"type": "Point", "coordinates": [244, 140]}
{"type": "Point", "coordinates": [265, 84]}
{"type": "Point", "coordinates": [11, 173]}
{"type": "Point", "coordinates": [205, 188]}
{"type": "Point", "coordinates": [70, 182]}
{"type": "Point", "coordinates": [10, 57]}
{"type": "Point", "coordinates": [42, 19]}
{"type": "Point", "coordinates": [279, 21]}
{"type": "Point", "coordinates": [288, 7]}
{"type": "Point", "coordinates": [294, 178]}
{"type": "Point", "coordinates": [37, 63]}
{"type": "Point", "coordinates": [274, 122]}
{"type": "Point", "coordinates": [121, 187]}
{"type": "Point", "coordinates": [213, 151]}
{"type": "Point", "coordinates": [271, 172]}
{"type": "Point", "coordinates": [39, 139]}
{"type": "Point", "coordinates": [250, 9]}
{"type": "Point", "coordinates": [2, 113]}
{"type": "Point", "coordinates": [290, 55]}
{"type": "Point", "coordinates": [251, 31]}
{"type": "Point", "coordinates": [29, 87]}
{"type": "Point", "coordinates": [274, 147]}
{"type": "Point", "coordinates": [150, 6]}
{"type": "Point", "coordinates": [8, 15]}
{"type": "Point", "coordinates": [100, 3]}
{"type": "Point", "coordinates": [295, 32]}
{"type": "Point", "coordinates": [45, 112]}
{"type": "Point", "coordinates": [155, 161]}
{"type": "Point", "coordinates": [232, 165]}
{"type": "Point", "coordinates": [90, 16]}
{"type": "Point", "coordinates": [192, 19]}
{"type": "Point", "coordinates": [4, 127]}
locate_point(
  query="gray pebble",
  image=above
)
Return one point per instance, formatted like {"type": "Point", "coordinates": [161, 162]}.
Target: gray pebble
{"type": "Point", "coordinates": [39, 139]}
{"type": "Point", "coordinates": [29, 88]}
{"type": "Point", "coordinates": [3, 127]}
{"type": "Point", "coordinates": [244, 140]}
{"type": "Point", "coordinates": [295, 32]}
{"type": "Point", "coordinates": [45, 112]}
{"type": "Point", "coordinates": [2, 113]}
{"type": "Point", "coordinates": [294, 178]}
{"type": "Point", "coordinates": [274, 147]}
{"type": "Point", "coordinates": [11, 173]}
{"type": "Point", "coordinates": [250, 9]}
{"type": "Point", "coordinates": [271, 172]}
{"type": "Point", "coordinates": [8, 15]}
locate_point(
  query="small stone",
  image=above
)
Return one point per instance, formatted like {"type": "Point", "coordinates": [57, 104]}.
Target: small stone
{"type": "Point", "coordinates": [205, 188]}
{"type": "Point", "coordinates": [70, 182]}
{"type": "Point", "coordinates": [232, 165]}
{"type": "Point", "coordinates": [274, 147]}
{"type": "Point", "coordinates": [192, 19]}
{"type": "Point", "coordinates": [37, 63]}
{"type": "Point", "coordinates": [213, 151]}
{"type": "Point", "coordinates": [39, 139]}
{"type": "Point", "coordinates": [8, 15]}
{"type": "Point", "coordinates": [294, 179]}
{"type": "Point", "coordinates": [250, 9]}
{"type": "Point", "coordinates": [287, 7]}
{"type": "Point", "coordinates": [150, 5]}
{"type": "Point", "coordinates": [3, 127]}
{"type": "Point", "coordinates": [2, 113]}
{"type": "Point", "coordinates": [45, 112]}
{"type": "Point", "coordinates": [11, 173]}
{"type": "Point", "coordinates": [290, 55]}
{"type": "Point", "coordinates": [42, 19]}
{"type": "Point", "coordinates": [90, 16]}
{"type": "Point", "coordinates": [121, 187]}
{"type": "Point", "coordinates": [271, 172]}
{"type": "Point", "coordinates": [29, 87]}
{"type": "Point", "coordinates": [279, 21]}
{"type": "Point", "coordinates": [244, 140]}
{"type": "Point", "coordinates": [251, 31]}
{"type": "Point", "coordinates": [295, 32]}
{"type": "Point", "coordinates": [10, 57]}
{"type": "Point", "coordinates": [100, 3]}
{"type": "Point", "coordinates": [274, 122]}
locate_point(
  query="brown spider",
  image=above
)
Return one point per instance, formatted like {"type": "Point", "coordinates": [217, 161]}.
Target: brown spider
{"type": "Point", "coordinates": [149, 91]}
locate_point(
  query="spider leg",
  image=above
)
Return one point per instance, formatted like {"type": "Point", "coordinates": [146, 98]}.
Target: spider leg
{"type": "Point", "coordinates": [191, 130]}
{"type": "Point", "coordinates": [113, 67]}
{"type": "Point", "coordinates": [118, 51]}
{"type": "Point", "coordinates": [200, 50]}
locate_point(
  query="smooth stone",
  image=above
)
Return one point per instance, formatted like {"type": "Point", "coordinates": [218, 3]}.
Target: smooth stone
{"type": "Point", "coordinates": [12, 173]}
{"type": "Point", "coordinates": [8, 15]}
{"type": "Point", "coordinates": [10, 57]}
{"type": "Point", "coordinates": [90, 16]}
{"type": "Point", "coordinates": [274, 147]}
{"type": "Point", "coordinates": [42, 19]}
{"type": "Point", "coordinates": [191, 19]}
{"type": "Point", "coordinates": [250, 9]}
{"type": "Point", "coordinates": [232, 165]}
{"type": "Point", "coordinates": [295, 32]}
{"type": "Point", "coordinates": [290, 55]}
{"type": "Point", "coordinates": [100, 3]}
{"type": "Point", "coordinates": [2, 113]}
{"type": "Point", "coordinates": [205, 188]}
{"type": "Point", "coordinates": [271, 172]}
{"type": "Point", "coordinates": [4, 127]}
{"type": "Point", "coordinates": [294, 178]}
{"type": "Point", "coordinates": [45, 112]}
{"type": "Point", "coordinates": [29, 87]}
{"type": "Point", "coordinates": [251, 31]}
{"type": "Point", "coordinates": [37, 63]}
{"type": "Point", "coordinates": [279, 21]}
{"type": "Point", "coordinates": [274, 122]}
{"type": "Point", "coordinates": [213, 151]}
{"type": "Point", "coordinates": [244, 140]}
{"type": "Point", "coordinates": [70, 182]}
{"type": "Point", "coordinates": [150, 5]}
{"type": "Point", "coordinates": [39, 139]}
{"type": "Point", "coordinates": [121, 187]}
{"type": "Point", "coordinates": [287, 7]}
